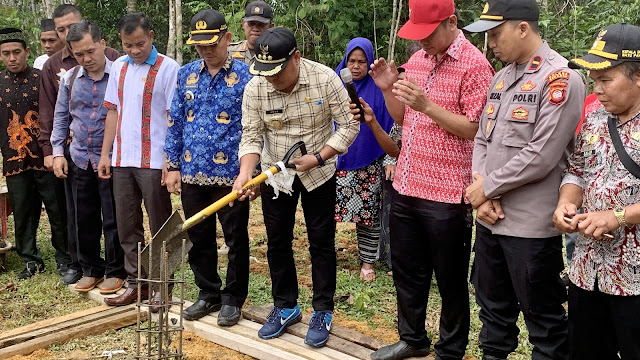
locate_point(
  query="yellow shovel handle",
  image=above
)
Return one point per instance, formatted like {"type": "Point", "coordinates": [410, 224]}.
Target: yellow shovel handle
{"type": "Point", "coordinates": [211, 209]}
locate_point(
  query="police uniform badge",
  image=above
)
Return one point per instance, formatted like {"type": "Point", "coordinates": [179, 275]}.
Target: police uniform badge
{"type": "Point", "coordinates": [276, 123]}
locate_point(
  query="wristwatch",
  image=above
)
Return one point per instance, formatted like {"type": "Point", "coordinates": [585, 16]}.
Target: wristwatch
{"type": "Point", "coordinates": [619, 213]}
{"type": "Point", "coordinates": [320, 160]}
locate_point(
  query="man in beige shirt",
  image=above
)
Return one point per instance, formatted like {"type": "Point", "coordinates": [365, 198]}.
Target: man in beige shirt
{"type": "Point", "coordinates": [294, 99]}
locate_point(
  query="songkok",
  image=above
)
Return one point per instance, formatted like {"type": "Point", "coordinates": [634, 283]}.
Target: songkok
{"type": "Point", "coordinates": [11, 35]}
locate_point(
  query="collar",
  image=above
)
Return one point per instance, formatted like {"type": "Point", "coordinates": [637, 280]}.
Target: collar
{"type": "Point", "coordinates": [23, 74]}
{"type": "Point", "coordinates": [228, 64]}
{"type": "Point", "coordinates": [454, 50]}
{"type": "Point", "coordinates": [107, 69]}
{"type": "Point", "coordinates": [65, 53]}
{"type": "Point", "coordinates": [150, 60]}
{"type": "Point", "coordinates": [535, 63]}
{"type": "Point", "coordinates": [619, 124]}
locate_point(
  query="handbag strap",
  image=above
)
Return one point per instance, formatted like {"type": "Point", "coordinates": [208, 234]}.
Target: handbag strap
{"type": "Point", "coordinates": [624, 157]}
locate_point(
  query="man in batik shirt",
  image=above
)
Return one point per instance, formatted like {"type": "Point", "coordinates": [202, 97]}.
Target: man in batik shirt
{"type": "Point", "coordinates": [28, 181]}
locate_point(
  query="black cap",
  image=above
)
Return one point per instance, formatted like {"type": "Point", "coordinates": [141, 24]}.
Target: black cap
{"type": "Point", "coordinates": [497, 12]}
{"type": "Point", "coordinates": [614, 45]}
{"type": "Point", "coordinates": [258, 11]}
{"type": "Point", "coordinates": [274, 49]}
{"type": "Point", "coordinates": [47, 25]}
{"type": "Point", "coordinates": [207, 28]}
{"type": "Point", "coordinates": [11, 35]}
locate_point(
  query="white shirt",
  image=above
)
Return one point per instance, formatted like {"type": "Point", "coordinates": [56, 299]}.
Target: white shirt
{"type": "Point", "coordinates": [38, 63]}
{"type": "Point", "coordinates": [132, 148]}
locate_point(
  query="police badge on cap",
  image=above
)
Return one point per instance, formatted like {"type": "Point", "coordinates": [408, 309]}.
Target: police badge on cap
{"type": "Point", "coordinates": [258, 11]}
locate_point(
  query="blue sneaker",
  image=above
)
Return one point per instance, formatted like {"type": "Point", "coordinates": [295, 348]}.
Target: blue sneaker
{"type": "Point", "coordinates": [319, 328]}
{"type": "Point", "coordinates": [278, 320]}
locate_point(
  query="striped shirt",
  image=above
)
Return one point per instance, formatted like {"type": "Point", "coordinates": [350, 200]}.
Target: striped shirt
{"type": "Point", "coordinates": [141, 94]}
{"type": "Point", "coordinates": [308, 113]}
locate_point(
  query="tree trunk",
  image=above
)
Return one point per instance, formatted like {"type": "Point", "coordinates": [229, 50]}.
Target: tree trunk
{"type": "Point", "coordinates": [171, 42]}
{"type": "Point", "coordinates": [179, 31]}
{"type": "Point", "coordinates": [48, 8]}
{"type": "Point", "coordinates": [131, 6]}
{"type": "Point", "coordinates": [392, 33]}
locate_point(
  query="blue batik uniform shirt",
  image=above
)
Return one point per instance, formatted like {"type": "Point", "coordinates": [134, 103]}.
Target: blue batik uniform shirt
{"type": "Point", "coordinates": [205, 123]}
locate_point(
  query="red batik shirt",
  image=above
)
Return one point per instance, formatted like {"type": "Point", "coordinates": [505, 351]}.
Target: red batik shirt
{"type": "Point", "coordinates": [435, 164]}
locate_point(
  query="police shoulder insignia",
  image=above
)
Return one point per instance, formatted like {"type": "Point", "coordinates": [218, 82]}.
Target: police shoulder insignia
{"type": "Point", "coordinates": [500, 85]}
{"type": "Point", "coordinates": [520, 113]}
{"type": "Point", "coordinates": [558, 92]}
{"type": "Point", "coordinates": [528, 86]}
{"type": "Point", "coordinates": [535, 62]}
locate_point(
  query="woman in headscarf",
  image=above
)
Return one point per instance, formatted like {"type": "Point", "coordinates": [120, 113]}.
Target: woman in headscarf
{"type": "Point", "coordinates": [359, 171]}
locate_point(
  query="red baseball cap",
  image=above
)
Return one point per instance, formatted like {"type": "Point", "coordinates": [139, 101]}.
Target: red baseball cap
{"type": "Point", "coordinates": [424, 17]}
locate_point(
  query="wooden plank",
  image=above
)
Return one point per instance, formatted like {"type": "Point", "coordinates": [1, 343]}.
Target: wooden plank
{"type": "Point", "coordinates": [95, 294]}
{"type": "Point", "coordinates": [250, 329]}
{"type": "Point", "coordinates": [237, 342]}
{"type": "Point", "coordinates": [260, 313]}
{"type": "Point", "coordinates": [99, 326]}
{"type": "Point", "coordinates": [50, 322]}
{"type": "Point", "coordinates": [287, 342]}
{"type": "Point", "coordinates": [336, 342]}
{"type": "Point", "coordinates": [61, 326]}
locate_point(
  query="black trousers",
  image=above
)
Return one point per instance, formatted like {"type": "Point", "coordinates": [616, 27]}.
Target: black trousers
{"type": "Point", "coordinates": [603, 325]}
{"type": "Point", "coordinates": [132, 186]}
{"type": "Point", "coordinates": [279, 218]}
{"type": "Point", "coordinates": [513, 274]}
{"type": "Point", "coordinates": [69, 206]}
{"type": "Point", "coordinates": [27, 191]}
{"type": "Point", "coordinates": [203, 256]}
{"type": "Point", "coordinates": [428, 237]}
{"type": "Point", "coordinates": [95, 212]}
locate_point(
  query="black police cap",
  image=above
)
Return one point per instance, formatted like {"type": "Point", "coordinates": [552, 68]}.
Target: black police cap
{"type": "Point", "coordinates": [496, 12]}
{"type": "Point", "coordinates": [274, 48]}
{"type": "Point", "coordinates": [258, 11]}
{"type": "Point", "coordinates": [614, 45]}
{"type": "Point", "coordinates": [207, 28]}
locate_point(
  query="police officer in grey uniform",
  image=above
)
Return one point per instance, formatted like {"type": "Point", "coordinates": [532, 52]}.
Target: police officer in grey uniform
{"type": "Point", "coordinates": [258, 17]}
{"type": "Point", "coordinates": [526, 133]}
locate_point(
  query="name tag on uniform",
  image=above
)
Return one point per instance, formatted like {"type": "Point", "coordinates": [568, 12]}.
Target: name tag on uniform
{"type": "Point", "coordinates": [275, 111]}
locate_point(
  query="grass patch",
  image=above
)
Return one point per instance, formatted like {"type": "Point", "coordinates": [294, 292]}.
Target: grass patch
{"type": "Point", "coordinates": [366, 307]}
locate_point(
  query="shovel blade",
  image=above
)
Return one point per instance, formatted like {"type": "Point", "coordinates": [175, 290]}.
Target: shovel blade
{"type": "Point", "coordinates": [172, 233]}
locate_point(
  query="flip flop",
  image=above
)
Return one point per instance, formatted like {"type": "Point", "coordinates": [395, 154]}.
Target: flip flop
{"type": "Point", "coordinates": [364, 273]}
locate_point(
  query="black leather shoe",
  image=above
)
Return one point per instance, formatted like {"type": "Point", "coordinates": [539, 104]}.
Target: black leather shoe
{"type": "Point", "coordinates": [71, 277]}
{"type": "Point", "coordinates": [30, 269]}
{"type": "Point", "coordinates": [199, 309]}
{"type": "Point", "coordinates": [229, 315]}
{"type": "Point", "coordinates": [62, 269]}
{"type": "Point", "coordinates": [399, 350]}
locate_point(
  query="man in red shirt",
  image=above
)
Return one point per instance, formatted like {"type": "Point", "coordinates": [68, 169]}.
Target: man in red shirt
{"type": "Point", "coordinates": [439, 104]}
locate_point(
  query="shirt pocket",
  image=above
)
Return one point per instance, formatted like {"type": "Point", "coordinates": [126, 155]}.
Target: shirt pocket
{"type": "Point", "coordinates": [520, 124]}
{"type": "Point", "coordinates": [311, 107]}
{"type": "Point", "coordinates": [488, 120]}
